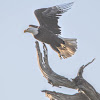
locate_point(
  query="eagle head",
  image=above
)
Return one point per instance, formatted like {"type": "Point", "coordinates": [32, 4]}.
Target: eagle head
{"type": "Point", "coordinates": [32, 29]}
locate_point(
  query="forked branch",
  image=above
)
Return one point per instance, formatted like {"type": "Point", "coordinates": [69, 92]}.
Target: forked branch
{"type": "Point", "coordinates": [86, 90]}
{"type": "Point", "coordinates": [48, 73]}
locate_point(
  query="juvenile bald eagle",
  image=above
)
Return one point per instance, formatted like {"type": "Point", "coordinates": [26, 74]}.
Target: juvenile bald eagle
{"type": "Point", "coordinates": [49, 31]}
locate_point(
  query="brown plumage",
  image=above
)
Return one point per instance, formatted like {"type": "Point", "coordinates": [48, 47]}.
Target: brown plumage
{"type": "Point", "coordinates": [49, 30]}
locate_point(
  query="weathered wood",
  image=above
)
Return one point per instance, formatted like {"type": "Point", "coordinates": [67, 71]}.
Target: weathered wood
{"type": "Point", "coordinates": [80, 72]}
{"type": "Point", "coordinates": [60, 96]}
{"type": "Point", "coordinates": [86, 90]}
{"type": "Point", "coordinates": [48, 73]}
{"type": "Point", "coordinates": [84, 86]}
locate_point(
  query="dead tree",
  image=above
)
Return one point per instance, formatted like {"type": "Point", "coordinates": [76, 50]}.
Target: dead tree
{"type": "Point", "coordinates": [85, 90]}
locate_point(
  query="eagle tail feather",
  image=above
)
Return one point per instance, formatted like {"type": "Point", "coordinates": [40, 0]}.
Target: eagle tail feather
{"type": "Point", "coordinates": [68, 49]}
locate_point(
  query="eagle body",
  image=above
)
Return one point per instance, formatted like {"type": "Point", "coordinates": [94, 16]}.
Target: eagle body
{"type": "Point", "coordinates": [49, 30]}
{"type": "Point", "coordinates": [48, 37]}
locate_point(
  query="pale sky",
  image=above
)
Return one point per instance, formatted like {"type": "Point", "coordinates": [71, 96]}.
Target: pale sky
{"type": "Point", "coordinates": [20, 77]}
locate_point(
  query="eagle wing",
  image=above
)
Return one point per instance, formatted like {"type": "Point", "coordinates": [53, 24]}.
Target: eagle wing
{"type": "Point", "coordinates": [48, 17]}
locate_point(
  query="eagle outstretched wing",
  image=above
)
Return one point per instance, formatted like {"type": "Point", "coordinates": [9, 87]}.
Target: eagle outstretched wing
{"type": "Point", "coordinates": [48, 17]}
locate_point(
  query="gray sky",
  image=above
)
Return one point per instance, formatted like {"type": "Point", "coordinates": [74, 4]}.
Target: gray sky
{"type": "Point", "coordinates": [20, 77]}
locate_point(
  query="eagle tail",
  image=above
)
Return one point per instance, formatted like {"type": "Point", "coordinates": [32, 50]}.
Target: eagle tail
{"type": "Point", "coordinates": [68, 49]}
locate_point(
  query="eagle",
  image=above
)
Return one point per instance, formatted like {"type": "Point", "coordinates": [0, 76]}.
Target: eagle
{"type": "Point", "coordinates": [49, 30]}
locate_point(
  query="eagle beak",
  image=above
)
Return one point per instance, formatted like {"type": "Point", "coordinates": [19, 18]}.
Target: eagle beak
{"type": "Point", "coordinates": [25, 31]}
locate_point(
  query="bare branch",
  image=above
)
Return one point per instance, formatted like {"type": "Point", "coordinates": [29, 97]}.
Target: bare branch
{"type": "Point", "coordinates": [48, 73]}
{"type": "Point", "coordinates": [82, 68]}
{"type": "Point", "coordinates": [84, 86]}
{"type": "Point", "coordinates": [60, 96]}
